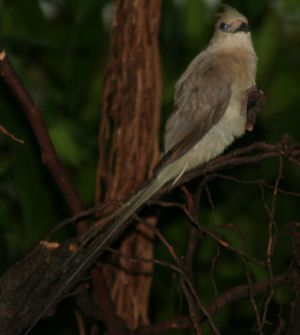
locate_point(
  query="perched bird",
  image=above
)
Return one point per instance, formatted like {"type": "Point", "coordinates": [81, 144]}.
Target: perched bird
{"type": "Point", "coordinates": [210, 106]}
{"type": "Point", "coordinates": [210, 111]}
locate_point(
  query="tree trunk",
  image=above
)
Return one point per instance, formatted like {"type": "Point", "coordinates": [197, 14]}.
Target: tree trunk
{"type": "Point", "coordinates": [128, 143]}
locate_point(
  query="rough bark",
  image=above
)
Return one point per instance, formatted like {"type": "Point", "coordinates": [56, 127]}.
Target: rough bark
{"type": "Point", "coordinates": [128, 143]}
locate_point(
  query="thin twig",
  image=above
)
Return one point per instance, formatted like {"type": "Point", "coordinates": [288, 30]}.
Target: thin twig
{"type": "Point", "coordinates": [206, 231]}
{"type": "Point", "coordinates": [4, 131]}
{"type": "Point", "coordinates": [270, 246]}
{"type": "Point", "coordinates": [186, 280]}
{"type": "Point", "coordinates": [224, 300]}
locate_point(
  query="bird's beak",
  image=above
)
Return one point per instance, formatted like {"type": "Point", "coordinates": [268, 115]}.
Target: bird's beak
{"type": "Point", "coordinates": [239, 26]}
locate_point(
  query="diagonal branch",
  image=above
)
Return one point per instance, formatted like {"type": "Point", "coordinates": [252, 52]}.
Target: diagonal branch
{"type": "Point", "coordinates": [51, 160]}
{"type": "Point", "coordinates": [36, 120]}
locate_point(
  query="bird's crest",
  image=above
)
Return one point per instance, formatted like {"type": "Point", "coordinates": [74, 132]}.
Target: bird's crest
{"type": "Point", "coordinates": [230, 14]}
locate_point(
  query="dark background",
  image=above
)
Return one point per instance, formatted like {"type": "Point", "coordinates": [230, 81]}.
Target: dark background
{"type": "Point", "coordinates": [60, 49]}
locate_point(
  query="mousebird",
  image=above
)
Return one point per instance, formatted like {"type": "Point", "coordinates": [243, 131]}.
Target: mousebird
{"type": "Point", "coordinates": [210, 111]}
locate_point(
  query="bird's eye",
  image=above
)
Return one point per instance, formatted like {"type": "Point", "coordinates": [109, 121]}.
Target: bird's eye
{"type": "Point", "coordinates": [223, 26]}
{"type": "Point", "coordinates": [243, 27]}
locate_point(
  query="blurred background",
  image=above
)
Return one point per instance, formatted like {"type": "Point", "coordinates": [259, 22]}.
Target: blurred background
{"type": "Point", "coordinates": [60, 49]}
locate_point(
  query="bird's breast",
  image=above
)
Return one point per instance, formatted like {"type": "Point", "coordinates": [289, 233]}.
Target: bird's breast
{"type": "Point", "coordinates": [218, 138]}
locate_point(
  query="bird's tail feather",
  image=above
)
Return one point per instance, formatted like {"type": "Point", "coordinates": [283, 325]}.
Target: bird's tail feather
{"type": "Point", "coordinates": [118, 223]}
{"type": "Point", "coordinates": [114, 230]}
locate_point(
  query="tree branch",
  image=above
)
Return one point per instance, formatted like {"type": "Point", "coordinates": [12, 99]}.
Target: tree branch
{"type": "Point", "coordinates": [225, 299]}
{"type": "Point", "coordinates": [51, 160]}
{"type": "Point", "coordinates": [48, 154]}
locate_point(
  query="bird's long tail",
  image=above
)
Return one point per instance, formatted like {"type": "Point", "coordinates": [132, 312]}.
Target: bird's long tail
{"type": "Point", "coordinates": [114, 229]}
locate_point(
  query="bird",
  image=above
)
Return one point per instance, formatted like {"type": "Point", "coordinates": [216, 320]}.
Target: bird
{"type": "Point", "coordinates": [210, 112]}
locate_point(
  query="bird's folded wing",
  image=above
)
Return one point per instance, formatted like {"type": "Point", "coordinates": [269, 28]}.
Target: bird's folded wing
{"type": "Point", "coordinates": [201, 99]}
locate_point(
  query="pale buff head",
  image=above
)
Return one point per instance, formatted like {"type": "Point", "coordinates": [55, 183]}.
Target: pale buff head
{"type": "Point", "coordinates": [230, 16]}
{"type": "Point", "coordinates": [231, 28]}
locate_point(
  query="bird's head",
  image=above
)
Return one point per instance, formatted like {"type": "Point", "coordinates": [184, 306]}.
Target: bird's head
{"type": "Point", "coordinates": [231, 30]}
{"type": "Point", "coordinates": [230, 21]}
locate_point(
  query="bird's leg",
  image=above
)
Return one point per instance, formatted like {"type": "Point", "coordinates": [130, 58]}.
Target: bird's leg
{"type": "Point", "coordinates": [254, 102]}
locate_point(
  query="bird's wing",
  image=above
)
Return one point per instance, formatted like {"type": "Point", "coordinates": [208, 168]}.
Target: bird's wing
{"type": "Point", "coordinates": [201, 99]}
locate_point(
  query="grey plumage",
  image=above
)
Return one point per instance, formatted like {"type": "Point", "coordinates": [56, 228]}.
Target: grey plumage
{"type": "Point", "coordinates": [197, 107]}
